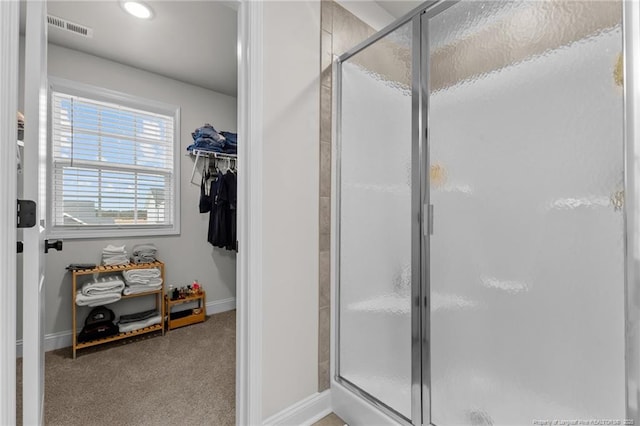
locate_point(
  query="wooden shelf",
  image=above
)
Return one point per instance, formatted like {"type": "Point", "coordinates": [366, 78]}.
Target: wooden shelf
{"type": "Point", "coordinates": [150, 329]}
{"type": "Point", "coordinates": [193, 298]}
{"type": "Point", "coordinates": [105, 269]}
{"type": "Point", "coordinates": [189, 319]}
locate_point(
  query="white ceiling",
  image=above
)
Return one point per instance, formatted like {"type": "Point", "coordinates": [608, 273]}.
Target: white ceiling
{"type": "Point", "coordinates": [378, 14]}
{"type": "Point", "coordinates": [191, 41]}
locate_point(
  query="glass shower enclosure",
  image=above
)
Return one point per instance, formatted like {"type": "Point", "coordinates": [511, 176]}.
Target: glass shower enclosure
{"type": "Point", "coordinates": [485, 201]}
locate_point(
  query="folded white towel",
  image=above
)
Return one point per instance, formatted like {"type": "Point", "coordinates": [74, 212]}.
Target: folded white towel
{"type": "Point", "coordinates": [132, 326]}
{"type": "Point", "coordinates": [134, 274]}
{"type": "Point", "coordinates": [134, 289]}
{"type": "Point", "coordinates": [144, 249]}
{"type": "Point", "coordinates": [113, 249]}
{"type": "Point", "coordinates": [96, 300]}
{"type": "Point", "coordinates": [104, 286]}
{"type": "Point", "coordinates": [145, 281]}
{"type": "Point", "coordinates": [115, 260]}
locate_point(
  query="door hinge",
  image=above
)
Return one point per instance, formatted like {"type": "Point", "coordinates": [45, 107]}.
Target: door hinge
{"type": "Point", "coordinates": [26, 213]}
{"type": "Point", "coordinates": [20, 247]}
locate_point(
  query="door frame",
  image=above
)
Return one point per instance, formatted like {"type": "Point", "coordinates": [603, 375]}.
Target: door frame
{"type": "Point", "coordinates": [249, 265]}
{"type": "Point", "coordinates": [9, 40]}
{"type": "Point", "coordinates": [34, 188]}
{"type": "Point", "coordinates": [249, 260]}
{"type": "Point", "coordinates": [631, 60]}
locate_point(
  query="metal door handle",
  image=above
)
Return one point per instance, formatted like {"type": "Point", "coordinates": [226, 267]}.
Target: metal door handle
{"type": "Point", "coordinates": [56, 245]}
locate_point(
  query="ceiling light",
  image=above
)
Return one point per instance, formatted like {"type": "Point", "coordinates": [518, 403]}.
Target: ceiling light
{"type": "Point", "coordinates": [137, 9]}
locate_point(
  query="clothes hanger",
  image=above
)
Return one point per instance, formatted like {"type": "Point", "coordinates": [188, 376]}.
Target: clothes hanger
{"type": "Point", "coordinates": [206, 174]}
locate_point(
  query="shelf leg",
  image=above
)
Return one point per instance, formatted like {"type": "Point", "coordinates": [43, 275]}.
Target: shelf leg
{"type": "Point", "coordinates": [195, 164]}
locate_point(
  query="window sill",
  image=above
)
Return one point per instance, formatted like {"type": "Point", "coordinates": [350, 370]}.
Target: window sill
{"type": "Point", "coordinates": [73, 234]}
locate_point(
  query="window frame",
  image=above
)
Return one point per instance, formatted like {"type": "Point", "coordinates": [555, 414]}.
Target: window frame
{"type": "Point", "coordinates": [111, 96]}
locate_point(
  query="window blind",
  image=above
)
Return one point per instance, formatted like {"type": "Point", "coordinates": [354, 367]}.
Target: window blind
{"type": "Point", "coordinates": [112, 166]}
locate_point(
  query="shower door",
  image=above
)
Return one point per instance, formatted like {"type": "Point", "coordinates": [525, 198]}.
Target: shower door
{"type": "Point", "coordinates": [526, 262]}
{"type": "Point", "coordinates": [378, 247]}
{"type": "Point", "coordinates": [480, 216]}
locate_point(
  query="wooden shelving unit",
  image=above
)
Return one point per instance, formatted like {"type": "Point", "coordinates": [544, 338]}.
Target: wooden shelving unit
{"type": "Point", "coordinates": [111, 269]}
{"type": "Point", "coordinates": [193, 317]}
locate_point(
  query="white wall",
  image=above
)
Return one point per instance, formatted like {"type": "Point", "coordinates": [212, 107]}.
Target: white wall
{"type": "Point", "coordinates": [188, 256]}
{"type": "Point", "coordinates": [290, 196]}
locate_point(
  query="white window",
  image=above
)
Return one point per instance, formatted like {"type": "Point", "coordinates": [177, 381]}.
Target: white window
{"type": "Point", "coordinates": [112, 164]}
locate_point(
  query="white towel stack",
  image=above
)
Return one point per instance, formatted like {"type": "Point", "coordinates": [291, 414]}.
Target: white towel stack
{"type": "Point", "coordinates": [144, 253]}
{"type": "Point", "coordinates": [100, 292]}
{"type": "Point", "coordinates": [142, 280]}
{"type": "Point", "coordinates": [114, 255]}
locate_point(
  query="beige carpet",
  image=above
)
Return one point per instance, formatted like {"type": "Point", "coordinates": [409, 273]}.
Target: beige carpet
{"type": "Point", "coordinates": [186, 377]}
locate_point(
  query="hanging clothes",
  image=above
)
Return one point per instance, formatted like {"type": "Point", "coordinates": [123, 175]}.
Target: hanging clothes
{"type": "Point", "coordinates": [222, 216]}
{"type": "Point", "coordinates": [213, 232]}
{"type": "Point", "coordinates": [231, 192]}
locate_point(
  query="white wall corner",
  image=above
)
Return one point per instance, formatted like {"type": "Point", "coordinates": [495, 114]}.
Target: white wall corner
{"type": "Point", "coordinates": [303, 413]}
{"type": "Point", "coordinates": [369, 12]}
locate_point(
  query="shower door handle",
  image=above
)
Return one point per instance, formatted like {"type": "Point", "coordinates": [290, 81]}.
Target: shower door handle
{"type": "Point", "coordinates": [427, 222]}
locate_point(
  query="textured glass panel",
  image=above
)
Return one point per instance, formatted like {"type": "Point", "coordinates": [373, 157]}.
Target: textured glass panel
{"type": "Point", "coordinates": [526, 268]}
{"type": "Point", "coordinates": [375, 227]}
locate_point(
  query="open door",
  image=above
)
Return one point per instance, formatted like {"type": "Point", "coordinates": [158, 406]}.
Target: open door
{"type": "Point", "coordinates": [9, 37]}
{"type": "Point", "coordinates": [34, 172]}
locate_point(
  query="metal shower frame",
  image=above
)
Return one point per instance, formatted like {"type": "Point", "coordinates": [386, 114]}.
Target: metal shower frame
{"type": "Point", "coordinates": [422, 213]}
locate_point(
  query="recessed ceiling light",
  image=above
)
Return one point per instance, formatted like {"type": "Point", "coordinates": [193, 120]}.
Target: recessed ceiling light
{"type": "Point", "coordinates": [137, 9]}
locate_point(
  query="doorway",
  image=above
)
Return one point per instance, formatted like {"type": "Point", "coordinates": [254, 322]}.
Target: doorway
{"type": "Point", "coordinates": [75, 58]}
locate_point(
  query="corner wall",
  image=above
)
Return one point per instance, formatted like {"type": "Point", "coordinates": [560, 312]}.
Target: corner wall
{"type": "Point", "coordinates": [187, 256]}
{"type": "Point", "coordinates": [290, 203]}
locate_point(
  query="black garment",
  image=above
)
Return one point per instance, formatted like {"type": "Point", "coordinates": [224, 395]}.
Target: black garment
{"type": "Point", "coordinates": [222, 218]}
{"type": "Point", "coordinates": [98, 330]}
{"type": "Point", "coordinates": [213, 232]}
{"type": "Point", "coordinates": [139, 316]}
{"type": "Point", "coordinates": [205, 199]}
{"type": "Point", "coordinates": [233, 203]}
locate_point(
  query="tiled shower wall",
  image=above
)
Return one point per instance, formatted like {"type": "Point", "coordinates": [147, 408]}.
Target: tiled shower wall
{"type": "Point", "coordinates": [341, 31]}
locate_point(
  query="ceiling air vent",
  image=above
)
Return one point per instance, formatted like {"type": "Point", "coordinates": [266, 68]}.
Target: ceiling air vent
{"type": "Point", "coordinates": [65, 25]}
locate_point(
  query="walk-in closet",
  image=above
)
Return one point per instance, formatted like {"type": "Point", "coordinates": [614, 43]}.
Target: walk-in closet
{"type": "Point", "coordinates": [140, 180]}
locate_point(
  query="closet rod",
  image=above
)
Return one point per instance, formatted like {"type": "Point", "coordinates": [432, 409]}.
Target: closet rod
{"type": "Point", "coordinates": [201, 153]}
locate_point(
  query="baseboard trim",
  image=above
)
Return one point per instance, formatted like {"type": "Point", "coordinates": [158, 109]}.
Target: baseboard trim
{"type": "Point", "coordinates": [63, 339]}
{"type": "Point", "coordinates": [223, 305]}
{"type": "Point", "coordinates": [303, 413]}
{"type": "Point", "coordinates": [52, 342]}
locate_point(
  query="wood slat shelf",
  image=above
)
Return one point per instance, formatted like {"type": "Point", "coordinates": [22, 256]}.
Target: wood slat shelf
{"type": "Point", "coordinates": [104, 269]}
{"type": "Point", "coordinates": [193, 317]}
{"type": "Point", "coordinates": [146, 293]}
{"type": "Point", "coordinates": [173, 302]}
{"type": "Point", "coordinates": [151, 328]}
